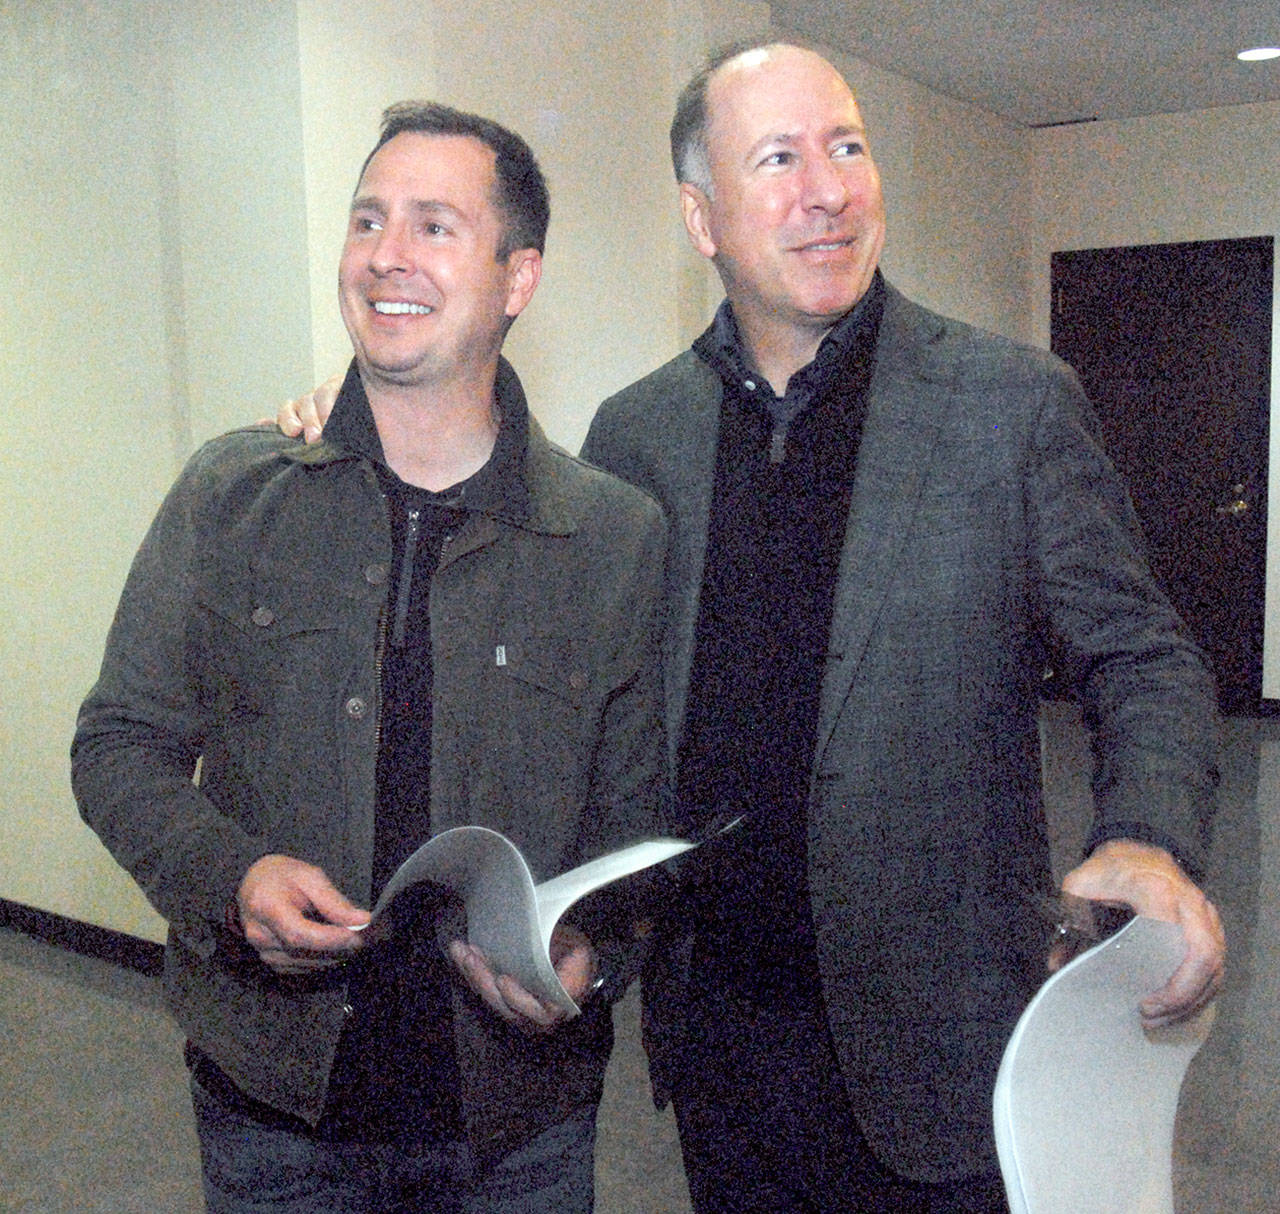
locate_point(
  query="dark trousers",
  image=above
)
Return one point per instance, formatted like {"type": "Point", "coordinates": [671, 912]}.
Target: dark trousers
{"type": "Point", "coordinates": [251, 1167]}
{"type": "Point", "coordinates": [766, 1128]}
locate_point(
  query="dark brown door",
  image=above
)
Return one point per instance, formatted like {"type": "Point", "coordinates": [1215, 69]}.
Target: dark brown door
{"type": "Point", "coordinates": [1173, 345]}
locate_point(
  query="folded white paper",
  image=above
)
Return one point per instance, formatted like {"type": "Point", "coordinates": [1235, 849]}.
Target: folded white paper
{"type": "Point", "coordinates": [1085, 1098]}
{"type": "Point", "coordinates": [509, 918]}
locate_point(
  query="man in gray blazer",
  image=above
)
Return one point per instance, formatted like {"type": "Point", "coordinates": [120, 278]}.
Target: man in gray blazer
{"type": "Point", "coordinates": [878, 518]}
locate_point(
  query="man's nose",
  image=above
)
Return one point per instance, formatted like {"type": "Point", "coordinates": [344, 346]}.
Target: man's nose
{"type": "Point", "coordinates": [824, 186]}
{"type": "Point", "coordinates": [391, 252]}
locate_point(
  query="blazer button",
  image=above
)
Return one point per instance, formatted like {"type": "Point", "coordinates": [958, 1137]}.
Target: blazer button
{"type": "Point", "coordinates": [264, 617]}
{"type": "Point", "coordinates": [356, 707]}
{"type": "Point", "coordinates": [375, 574]}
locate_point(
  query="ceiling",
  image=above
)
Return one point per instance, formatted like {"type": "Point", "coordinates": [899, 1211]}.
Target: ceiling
{"type": "Point", "coordinates": [1039, 63]}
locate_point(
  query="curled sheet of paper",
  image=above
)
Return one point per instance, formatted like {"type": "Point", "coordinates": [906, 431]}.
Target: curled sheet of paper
{"type": "Point", "coordinates": [1086, 1097]}
{"type": "Point", "coordinates": [510, 918]}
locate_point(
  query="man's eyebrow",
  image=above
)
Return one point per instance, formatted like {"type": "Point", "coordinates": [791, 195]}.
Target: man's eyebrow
{"type": "Point", "coordinates": [774, 139]}
{"type": "Point", "coordinates": [850, 131]}
{"type": "Point", "coordinates": [372, 204]}
{"type": "Point", "coordinates": [786, 139]}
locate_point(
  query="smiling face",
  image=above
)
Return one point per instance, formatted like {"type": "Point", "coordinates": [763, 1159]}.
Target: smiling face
{"type": "Point", "coordinates": [795, 219]}
{"type": "Point", "coordinates": [422, 291]}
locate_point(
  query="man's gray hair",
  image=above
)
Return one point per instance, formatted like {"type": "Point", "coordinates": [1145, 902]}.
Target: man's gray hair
{"type": "Point", "coordinates": [690, 156]}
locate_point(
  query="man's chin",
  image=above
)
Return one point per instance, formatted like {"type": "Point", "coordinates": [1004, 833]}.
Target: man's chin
{"type": "Point", "coordinates": [385, 373]}
{"type": "Point", "coordinates": [822, 314]}
{"type": "Point", "coordinates": [825, 308]}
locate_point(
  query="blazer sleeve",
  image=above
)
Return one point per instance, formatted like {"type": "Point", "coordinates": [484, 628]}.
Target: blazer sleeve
{"type": "Point", "coordinates": [1146, 691]}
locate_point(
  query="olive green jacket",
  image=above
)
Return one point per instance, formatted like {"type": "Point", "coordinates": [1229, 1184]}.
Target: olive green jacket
{"type": "Point", "coordinates": [246, 646]}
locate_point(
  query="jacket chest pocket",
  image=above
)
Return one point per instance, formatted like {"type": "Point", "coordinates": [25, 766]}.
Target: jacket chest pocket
{"type": "Point", "coordinates": [276, 663]}
{"type": "Point", "coordinates": [532, 687]}
{"type": "Point", "coordinates": [283, 663]}
{"type": "Point", "coordinates": [267, 649]}
{"type": "Point", "coordinates": [516, 727]}
{"type": "Point", "coordinates": [545, 666]}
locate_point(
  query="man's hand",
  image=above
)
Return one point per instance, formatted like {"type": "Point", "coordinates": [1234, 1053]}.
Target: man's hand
{"type": "Point", "coordinates": [294, 917]}
{"type": "Point", "coordinates": [575, 964]}
{"type": "Point", "coordinates": [1149, 881]}
{"type": "Point", "coordinates": [308, 414]}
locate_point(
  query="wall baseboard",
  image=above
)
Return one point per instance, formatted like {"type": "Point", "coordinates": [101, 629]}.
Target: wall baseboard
{"type": "Point", "coordinates": [119, 948]}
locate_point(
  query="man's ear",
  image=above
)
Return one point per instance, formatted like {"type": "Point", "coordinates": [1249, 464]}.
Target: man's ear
{"type": "Point", "coordinates": [695, 206]}
{"type": "Point", "coordinates": [524, 272]}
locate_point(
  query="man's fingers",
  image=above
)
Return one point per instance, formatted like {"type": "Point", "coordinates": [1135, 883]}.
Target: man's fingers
{"type": "Point", "coordinates": [308, 414]}
{"type": "Point", "coordinates": [1186, 993]}
{"type": "Point", "coordinates": [328, 904]}
{"type": "Point", "coordinates": [530, 1012]}
{"type": "Point", "coordinates": [502, 993]}
{"type": "Point", "coordinates": [1148, 879]}
{"type": "Point", "coordinates": [289, 417]}
{"type": "Point", "coordinates": [294, 917]}
{"type": "Point", "coordinates": [1198, 980]}
{"type": "Point", "coordinates": [282, 958]}
{"type": "Point", "coordinates": [479, 977]}
{"type": "Point", "coordinates": [575, 961]}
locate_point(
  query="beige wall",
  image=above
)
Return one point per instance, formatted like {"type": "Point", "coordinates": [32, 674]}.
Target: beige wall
{"type": "Point", "coordinates": [1207, 175]}
{"type": "Point", "coordinates": [153, 290]}
{"type": "Point", "coordinates": [175, 180]}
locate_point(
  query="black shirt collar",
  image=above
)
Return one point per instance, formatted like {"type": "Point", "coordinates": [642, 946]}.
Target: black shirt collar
{"type": "Point", "coordinates": [722, 347]}
{"type": "Point", "coordinates": [498, 487]}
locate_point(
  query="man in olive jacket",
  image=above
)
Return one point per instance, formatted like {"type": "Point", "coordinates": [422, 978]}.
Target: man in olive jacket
{"type": "Point", "coordinates": [431, 618]}
{"type": "Point", "coordinates": [878, 516]}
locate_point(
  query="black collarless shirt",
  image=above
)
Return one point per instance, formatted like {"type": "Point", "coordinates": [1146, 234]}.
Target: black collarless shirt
{"type": "Point", "coordinates": [784, 475]}
{"type": "Point", "coordinates": [396, 1075]}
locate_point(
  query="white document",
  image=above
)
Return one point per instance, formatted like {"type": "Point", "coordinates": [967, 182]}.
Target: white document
{"type": "Point", "coordinates": [1085, 1098]}
{"type": "Point", "coordinates": [509, 918]}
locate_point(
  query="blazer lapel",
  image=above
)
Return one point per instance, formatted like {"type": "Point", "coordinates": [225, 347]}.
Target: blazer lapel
{"type": "Point", "coordinates": [687, 496]}
{"type": "Point", "coordinates": [907, 396]}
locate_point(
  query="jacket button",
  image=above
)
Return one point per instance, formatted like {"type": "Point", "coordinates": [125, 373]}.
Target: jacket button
{"type": "Point", "coordinates": [578, 681]}
{"type": "Point", "coordinates": [264, 617]}
{"type": "Point", "coordinates": [348, 1010]}
{"type": "Point", "coordinates": [356, 707]}
{"type": "Point", "coordinates": [375, 574]}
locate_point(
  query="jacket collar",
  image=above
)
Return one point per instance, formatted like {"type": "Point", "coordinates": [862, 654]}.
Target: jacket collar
{"type": "Point", "coordinates": [519, 485]}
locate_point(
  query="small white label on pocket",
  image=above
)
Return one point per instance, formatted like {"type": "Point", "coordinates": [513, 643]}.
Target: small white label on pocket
{"type": "Point", "coordinates": [500, 655]}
